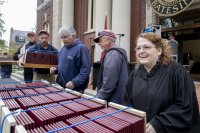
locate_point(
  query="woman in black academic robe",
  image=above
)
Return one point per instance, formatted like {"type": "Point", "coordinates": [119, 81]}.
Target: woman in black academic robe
{"type": "Point", "coordinates": [162, 88]}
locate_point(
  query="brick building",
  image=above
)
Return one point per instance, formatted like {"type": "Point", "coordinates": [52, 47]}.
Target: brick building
{"type": "Point", "coordinates": [126, 18]}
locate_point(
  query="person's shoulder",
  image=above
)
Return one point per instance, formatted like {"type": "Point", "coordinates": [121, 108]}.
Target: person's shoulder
{"type": "Point", "coordinates": [53, 47]}
{"type": "Point", "coordinates": [81, 46]}
{"type": "Point", "coordinates": [113, 55]}
{"type": "Point", "coordinates": [174, 64]}
{"type": "Point", "coordinates": [116, 52]}
{"type": "Point", "coordinates": [33, 47]}
{"type": "Point", "coordinates": [173, 67]}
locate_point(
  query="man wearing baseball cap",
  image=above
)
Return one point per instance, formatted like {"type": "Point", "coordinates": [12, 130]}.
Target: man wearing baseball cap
{"type": "Point", "coordinates": [28, 72]}
{"type": "Point", "coordinates": [113, 73]}
{"type": "Point", "coordinates": [45, 47]}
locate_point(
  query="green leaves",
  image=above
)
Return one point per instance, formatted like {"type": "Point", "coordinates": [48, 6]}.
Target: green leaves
{"type": "Point", "coordinates": [2, 30]}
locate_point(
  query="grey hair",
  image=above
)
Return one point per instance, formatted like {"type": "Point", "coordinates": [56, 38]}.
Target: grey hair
{"type": "Point", "coordinates": [113, 40]}
{"type": "Point", "coordinates": [67, 30]}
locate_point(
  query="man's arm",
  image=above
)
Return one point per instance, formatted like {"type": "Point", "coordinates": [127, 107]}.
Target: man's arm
{"type": "Point", "coordinates": [112, 67]}
{"type": "Point", "coordinates": [81, 78]}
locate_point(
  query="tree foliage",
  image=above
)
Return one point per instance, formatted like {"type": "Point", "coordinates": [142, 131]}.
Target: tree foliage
{"type": "Point", "coordinates": [3, 46]}
{"type": "Point", "coordinates": [2, 30]}
{"type": "Point", "coordinates": [2, 43]}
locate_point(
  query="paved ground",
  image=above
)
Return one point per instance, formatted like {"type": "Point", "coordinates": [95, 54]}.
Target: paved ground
{"type": "Point", "coordinates": [6, 81]}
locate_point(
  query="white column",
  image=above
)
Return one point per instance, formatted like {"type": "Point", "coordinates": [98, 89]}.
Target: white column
{"type": "Point", "coordinates": [101, 7]}
{"type": "Point", "coordinates": [121, 10]}
{"type": "Point", "coordinates": [57, 8]}
{"type": "Point", "coordinates": [68, 12]}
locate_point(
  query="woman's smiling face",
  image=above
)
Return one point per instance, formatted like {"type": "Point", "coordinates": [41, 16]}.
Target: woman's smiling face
{"type": "Point", "coordinates": [146, 52]}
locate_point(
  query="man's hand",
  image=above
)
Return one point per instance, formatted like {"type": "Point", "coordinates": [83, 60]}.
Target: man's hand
{"type": "Point", "coordinates": [149, 128]}
{"type": "Point", "coordinates": [20, 55]}
{"type": "Point", "coordinates": [69, 85]}
{"type": "Point", "coordinates": [52, 70]}
{"type": "Point", "coordinates": [20, 61]}
{"type": "Point", "coordinates": [20, 64]}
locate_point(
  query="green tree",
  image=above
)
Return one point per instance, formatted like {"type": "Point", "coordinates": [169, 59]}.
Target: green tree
{"type": "Point", "coordinates": [12, 50]}
{"type": "Point", "coordinates": [3, 46]}
{"type": "Point", "coordinates": [2, 30]}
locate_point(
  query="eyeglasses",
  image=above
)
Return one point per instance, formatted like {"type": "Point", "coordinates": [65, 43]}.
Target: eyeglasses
{"type": "Point", "coordinates": [144, 48]}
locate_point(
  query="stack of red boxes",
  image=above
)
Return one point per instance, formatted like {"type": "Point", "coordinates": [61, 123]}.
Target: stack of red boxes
{"type": "Point", "coordinates": [52, 89]}
{"type": "Point", "coordinates": [11, 104]}
{"type": "Point", "coordinates": [68, 96]}
{"type": "Point", "coordinates": [89, 127]}
{"type": "Point", "coordinates": [24, 119]}
{"type": "Point", "coordinates": [136, 122]}
{"type": "Point", "coordinates": [36, 130]}
{"type": "Point", "coordinates": [43, 116]}
{"type": "Point", "coordinates": [36, 57]}
{"type": "Point", "coordinates": [13, 93]}
{"type": "Point", "coordinates": [110, 122]}
{"type": "Point", "coordinates": [59, 109]}
{"type": "Point", "coordinates": [26, 102]}
{"type": "Point", "coordinates": [41, 90]}
{"type": "Point", "coordinates": [76, 107]}
{"type": "Point", "coordinates": [55, 97]}
{"type": "Point", "coordinates": [57, 125]}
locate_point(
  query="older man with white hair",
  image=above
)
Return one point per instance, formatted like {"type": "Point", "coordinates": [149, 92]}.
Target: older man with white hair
{"type": "Point", "coordinates": [74, 62]}
{"type": "Point", "coordinates": [113, 73]}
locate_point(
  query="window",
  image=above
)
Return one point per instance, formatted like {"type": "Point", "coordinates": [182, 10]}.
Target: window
{"type": "Point", "coordinates": [47, 26]}
{"type": "Point", "coordinates": [91, 9]}
{"type": "Point", "coordinates": [20, 39]}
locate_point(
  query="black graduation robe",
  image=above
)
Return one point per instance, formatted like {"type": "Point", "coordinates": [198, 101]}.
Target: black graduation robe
{"type": "Point", "coordinates": [167, 95]}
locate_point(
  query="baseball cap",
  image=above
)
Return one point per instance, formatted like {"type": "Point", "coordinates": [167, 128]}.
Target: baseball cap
{"type": "Point", "coordinates": [31, 33]}
{"type": "Point", "coordinates": [106, 32]}
{"type": "Point", "coordinates": [43, 32]}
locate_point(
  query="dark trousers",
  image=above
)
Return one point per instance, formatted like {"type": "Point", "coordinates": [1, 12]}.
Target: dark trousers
{"type": "Point", "coordinates": [5, 74]}
{"type": "Point", "coordinates": [28, 75]}
{"type": "Point", "coordinates": [6, 71]}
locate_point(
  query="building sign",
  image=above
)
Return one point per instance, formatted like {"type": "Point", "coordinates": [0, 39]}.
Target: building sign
{"type": "Point", "coordinates": [169, 7]}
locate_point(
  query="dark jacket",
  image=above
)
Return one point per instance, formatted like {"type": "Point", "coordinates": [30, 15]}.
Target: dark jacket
{"type": "Point", "coordinates": [113, 75]}
{"type": "Point", "coordinates": [15, 57]}
{"type": "Point", "coordinates": [167, 95]}
{"type": "Point", "coordinates": [39, 48]}
{"type": "Point", "coordinates": [74, 65]}
{"type": "Point", "coordinates": [6, 68]}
